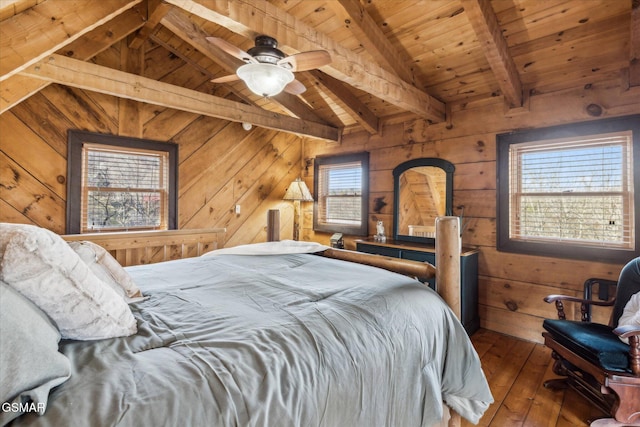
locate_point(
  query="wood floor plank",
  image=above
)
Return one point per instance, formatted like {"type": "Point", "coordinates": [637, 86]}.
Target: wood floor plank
{"type": "Point", "coordinates": [576, 411]}
{"type": "Point", "coordinates": [501, 365]}
{"type": "Point", "coordinates": [516, 371]}
{"type": "Point", "coordinates": [483, 340]}
{"type": "Point", "coordinates": [547, 403]}
{"type": "Point", "coordinates": [516, 405]}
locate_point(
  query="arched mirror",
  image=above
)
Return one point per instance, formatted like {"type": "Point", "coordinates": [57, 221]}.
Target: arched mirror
{"type": "Point", "coordinates": [423, 190]}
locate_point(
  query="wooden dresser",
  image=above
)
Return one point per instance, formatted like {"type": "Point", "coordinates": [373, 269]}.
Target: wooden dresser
{"type": "Point", "coordinates": [419, 252]}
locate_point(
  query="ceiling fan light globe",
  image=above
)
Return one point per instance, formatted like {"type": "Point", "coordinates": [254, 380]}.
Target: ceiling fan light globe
{"type": "Point", "coordinates": [265, 79]}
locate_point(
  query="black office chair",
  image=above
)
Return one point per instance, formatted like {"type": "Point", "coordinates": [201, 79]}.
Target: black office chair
{"type": "Point", "coordinates": [591, 356]}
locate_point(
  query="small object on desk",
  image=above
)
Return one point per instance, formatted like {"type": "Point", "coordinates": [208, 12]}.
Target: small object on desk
{"type": "Point", "coordinates": [380, 236]}
{"type": "Point", "coordinates": [337, 241]}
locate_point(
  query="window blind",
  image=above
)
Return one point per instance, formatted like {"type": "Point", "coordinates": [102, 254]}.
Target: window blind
{"type": "Point", "coordinates": [123, 188]}
{"type": "Point", "coordinates": [573, 190]}
{"type": "Point", "coordinates": [340, 193]}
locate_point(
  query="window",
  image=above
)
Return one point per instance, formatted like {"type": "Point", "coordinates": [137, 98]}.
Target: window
{"type": "Point", "coordinates": [568, 191]}
{"type": "Point", "coordinates": [342, 194]}
{"type": "Point", "coordinates": [120, 184]}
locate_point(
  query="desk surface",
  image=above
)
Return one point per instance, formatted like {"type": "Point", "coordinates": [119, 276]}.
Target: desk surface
{"type": "Point", "coordinates": [411, 246]}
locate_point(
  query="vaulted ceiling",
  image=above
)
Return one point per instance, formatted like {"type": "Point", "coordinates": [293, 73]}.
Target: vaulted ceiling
{"type": "Point", "coordinates": [392, 60]}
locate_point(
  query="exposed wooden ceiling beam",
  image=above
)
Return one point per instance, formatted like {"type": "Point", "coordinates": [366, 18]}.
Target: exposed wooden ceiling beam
{"type": "Point", "coordinates": [189, 32]}
{"type": "Point", "coordinates": [194, 64]}
{"type": "Point", "coordinates": [28, 37]}
{"type": "Point", "coordinates": [348, 101]}
{"type": "Point", "coordinates": [129, 118]}
{"type": "Point", "coordinates": [9, 8]}
{"type": "Point", "coordinates": [298, 108]}
{"type": "Point", "coordinates": [89, 76]}
{"type": "Point", "coordinates": [634, 61]}
{"type": "Point", "coordinates": [485, 24]}
{"type": "Point", "coordinates": [374, 41]}
{"type": "Point", "coordinates": [17, 88]}
{"type": "Point", "coordinates": [259, 17]}
{"type": "Point", "coordinates": [156, 10]}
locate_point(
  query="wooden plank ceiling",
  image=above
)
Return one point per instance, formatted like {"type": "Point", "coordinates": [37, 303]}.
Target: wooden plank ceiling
{"type": "Point", "coordinates": [392, 60]}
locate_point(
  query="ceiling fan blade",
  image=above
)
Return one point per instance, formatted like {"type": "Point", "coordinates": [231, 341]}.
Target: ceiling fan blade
{"type": "Point", "coordinates": [307, 60]}
{"type": "Point", "coordinates": [295, 87]}
{"type": "Point", "coordinates": [226, 79]}
{"type": "Point", "coordinates": [231, 49]}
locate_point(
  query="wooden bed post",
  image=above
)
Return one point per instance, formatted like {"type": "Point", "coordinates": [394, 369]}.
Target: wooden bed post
{"type": "Point", "coordinates": [273, 225]}
{"type": "Point", "coordinates": [448, 250]}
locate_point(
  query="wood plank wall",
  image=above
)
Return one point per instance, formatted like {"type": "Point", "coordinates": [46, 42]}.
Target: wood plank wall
{"type": "Point", "coordinates": [220, 164]}
{"type": "Point", "coordinates": [511, 286]}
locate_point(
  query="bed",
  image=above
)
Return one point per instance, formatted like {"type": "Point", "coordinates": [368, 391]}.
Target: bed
{"type": "Point", "coordinates": [274, 334]}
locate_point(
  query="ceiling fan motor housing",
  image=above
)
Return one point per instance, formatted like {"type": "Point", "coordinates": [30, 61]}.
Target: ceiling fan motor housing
{"type": "Point", "coordinates": [266, 50]}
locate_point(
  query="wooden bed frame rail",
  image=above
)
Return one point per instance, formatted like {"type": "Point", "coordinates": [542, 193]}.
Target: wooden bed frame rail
{"type": "Point", "coordinates": [147, 247]}
{"type": "Point", "coordinates": [418, 269]}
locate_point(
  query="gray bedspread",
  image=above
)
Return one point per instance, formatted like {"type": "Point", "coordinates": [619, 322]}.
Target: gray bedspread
{"type": "Point", "coordinates": [286, 340]}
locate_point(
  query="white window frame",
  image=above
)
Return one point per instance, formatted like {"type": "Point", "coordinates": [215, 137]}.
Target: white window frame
{"type": "Point", "coordinates": [521, 231]}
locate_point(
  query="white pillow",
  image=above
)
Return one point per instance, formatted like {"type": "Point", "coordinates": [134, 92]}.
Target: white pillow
{"type": "Point", "coordinates": [30, 364]}
{"type": "Point", "coordinates": [280, 247]}
{"type": "Point", "coordinates": [107, 269]}
{"type": "Point", "coordinates": [42, 266]}
{"type": "Point", "coordinates": [631, 313]}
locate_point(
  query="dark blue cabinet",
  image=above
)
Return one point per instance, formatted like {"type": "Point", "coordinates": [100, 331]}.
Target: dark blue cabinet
{"type": "Point", "coordinates": [417, 252]}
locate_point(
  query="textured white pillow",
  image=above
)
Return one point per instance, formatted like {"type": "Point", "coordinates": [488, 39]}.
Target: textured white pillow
{"type": "Point", "coordinates": [41, 266]}
{"type": "Point", "coordinates": [107, 269]}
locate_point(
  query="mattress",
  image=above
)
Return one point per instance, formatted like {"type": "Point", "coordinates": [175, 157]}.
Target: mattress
{"type": "Point", "coordinates": [273, 340]}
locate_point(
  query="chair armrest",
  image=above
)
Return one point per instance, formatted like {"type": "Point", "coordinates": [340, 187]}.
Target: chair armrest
{"type": "Point", "coordinates": [626, 331]}
{"type": "Point", "coordinates": [633, 333]}
{"type": "Point", "coordinates": [584, 304]}
{"type": "Point", "coordinates": [554, 298]}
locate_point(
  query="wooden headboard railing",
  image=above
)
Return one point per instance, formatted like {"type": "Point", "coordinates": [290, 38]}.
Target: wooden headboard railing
{"type": "Point", "coordinates": [148, 247]}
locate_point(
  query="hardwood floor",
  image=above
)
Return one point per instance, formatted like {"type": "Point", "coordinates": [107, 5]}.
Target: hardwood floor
{"type": "Point", "coordinates": [516, 370]}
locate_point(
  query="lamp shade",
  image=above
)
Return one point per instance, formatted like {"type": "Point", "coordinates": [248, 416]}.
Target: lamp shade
{"type": "Point", "coordinates": [298, 191]}
{"type": "Point", "coordinates": [265, 79]}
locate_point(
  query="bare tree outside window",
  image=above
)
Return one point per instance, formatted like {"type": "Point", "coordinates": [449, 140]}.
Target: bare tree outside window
{"type": "Point", "coordinates": [575, 194]}
{"type": "Point", "coordinates": [124, 190]}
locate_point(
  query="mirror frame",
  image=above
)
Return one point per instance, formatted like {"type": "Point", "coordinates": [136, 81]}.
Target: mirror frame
{"type": "Point", "coordinates": [448, 168]}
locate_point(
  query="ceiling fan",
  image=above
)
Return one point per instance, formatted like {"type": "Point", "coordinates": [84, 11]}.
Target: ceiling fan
{"type": "Point", "coordinates": [267, 70]}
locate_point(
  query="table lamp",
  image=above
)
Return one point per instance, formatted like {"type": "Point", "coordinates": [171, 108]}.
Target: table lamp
{"type": "Point", "coordinates": [297, 192]}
